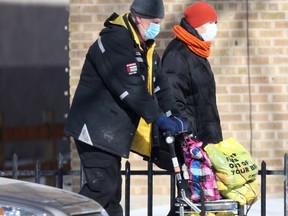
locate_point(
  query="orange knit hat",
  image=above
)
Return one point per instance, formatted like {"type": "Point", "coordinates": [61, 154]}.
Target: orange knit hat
{"type": "Point", "coordinates": [199, 14]}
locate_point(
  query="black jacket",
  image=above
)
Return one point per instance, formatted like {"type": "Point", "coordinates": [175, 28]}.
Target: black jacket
{"type": "Point", "coordinates": [193, 86]}
{"type": "Point", "coordinates": [112, 93]}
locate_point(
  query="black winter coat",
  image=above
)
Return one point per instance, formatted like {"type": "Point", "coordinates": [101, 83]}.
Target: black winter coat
{"type": "Point", "coordinates": [112, 93]}
{"type": "Point", "coordinates": [193, 86]}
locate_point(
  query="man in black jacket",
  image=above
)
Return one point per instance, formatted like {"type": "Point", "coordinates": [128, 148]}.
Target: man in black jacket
{"type": "Point", "coordinates": [189, 72]}
{"type": "Point", "coordinates": [122, 91]}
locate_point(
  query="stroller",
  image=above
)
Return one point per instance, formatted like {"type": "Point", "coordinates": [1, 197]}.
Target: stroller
{"type": "Point", "coordinates": [183, 204]}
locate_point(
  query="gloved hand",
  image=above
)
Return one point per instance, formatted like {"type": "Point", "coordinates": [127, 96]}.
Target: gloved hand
{"type": "Point", "coordinates": [166, 124]}
{"type": "Point", "coordinates": [181, 123]}
{"type": "Point", "coordinates": [174, 124]}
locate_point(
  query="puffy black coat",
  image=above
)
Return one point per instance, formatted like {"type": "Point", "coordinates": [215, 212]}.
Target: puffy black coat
{"type": "Point", "coordinates": [112, 93]}
{"type": "Point", "coordinates": [193, 86]}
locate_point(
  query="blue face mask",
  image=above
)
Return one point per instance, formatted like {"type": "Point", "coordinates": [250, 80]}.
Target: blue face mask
{"type": "Point", "coordinates": [152, 31]}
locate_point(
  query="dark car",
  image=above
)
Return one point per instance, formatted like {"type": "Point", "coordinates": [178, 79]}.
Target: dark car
{"type": "Point", "coordinates": [21, 198]}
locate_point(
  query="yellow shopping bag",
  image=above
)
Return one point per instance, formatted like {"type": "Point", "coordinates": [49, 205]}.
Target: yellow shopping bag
{"type": "Point", "coordinates": [233, 163]}
{"type": "Point", "coordinates": [235, 171]}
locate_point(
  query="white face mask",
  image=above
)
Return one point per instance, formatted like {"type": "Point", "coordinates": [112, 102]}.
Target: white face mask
{"type": "Point", "coordinates": [211, 32]}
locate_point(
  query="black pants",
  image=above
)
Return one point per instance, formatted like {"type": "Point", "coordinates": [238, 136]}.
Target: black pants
{"type": "Point", "coordinates": [103, 177]}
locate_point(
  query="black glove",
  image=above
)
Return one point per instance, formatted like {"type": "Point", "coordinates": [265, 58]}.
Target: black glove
{"type": "Point", "coordinates": [167, 124]}
{"type": "Point", "coordinates": [181, 123]}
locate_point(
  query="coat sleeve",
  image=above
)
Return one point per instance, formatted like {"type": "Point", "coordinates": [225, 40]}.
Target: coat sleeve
{"type": "Point", "coordinates": [177, 70]}
{"type": "Point", "coordinates": [163, 91]}
{"type": "Point", "coordinates": [118, 68]}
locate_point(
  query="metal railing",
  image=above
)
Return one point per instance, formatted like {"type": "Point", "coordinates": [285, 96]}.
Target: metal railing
{"type": "Point", "coordinates": [60, 172]}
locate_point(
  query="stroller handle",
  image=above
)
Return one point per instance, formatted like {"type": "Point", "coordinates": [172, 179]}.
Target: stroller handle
{"type": "Point", "coordinates": [169, 139]}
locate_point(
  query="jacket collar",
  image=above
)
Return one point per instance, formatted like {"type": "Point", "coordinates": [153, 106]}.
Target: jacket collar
{"type": "Point", "coordinates": [126, 21]}
{"type": "Point", "coordinates": [184, 24]}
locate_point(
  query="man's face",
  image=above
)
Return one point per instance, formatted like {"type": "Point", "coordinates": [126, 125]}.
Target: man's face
{"type": "Point", "coordinates": [143, 25]}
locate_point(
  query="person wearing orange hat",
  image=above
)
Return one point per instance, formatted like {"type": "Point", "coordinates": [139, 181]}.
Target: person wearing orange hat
{"type": "Point", "coordinates": [190, 74]}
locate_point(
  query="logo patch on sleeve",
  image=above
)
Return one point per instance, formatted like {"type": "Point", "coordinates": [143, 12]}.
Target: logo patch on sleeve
{"type": "Point", "coordinates": [131, 68]}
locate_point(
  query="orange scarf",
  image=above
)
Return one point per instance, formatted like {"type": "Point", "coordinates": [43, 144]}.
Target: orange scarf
{"type": "Point", "coordinates": [201, 48]}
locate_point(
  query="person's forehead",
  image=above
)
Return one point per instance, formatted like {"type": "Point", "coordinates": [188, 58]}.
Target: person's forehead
{"type": "Point", "coordinates": [156, 20]}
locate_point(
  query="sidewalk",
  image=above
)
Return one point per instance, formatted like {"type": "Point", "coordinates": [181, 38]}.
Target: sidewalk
{"type": "Point", "coordinates": [274, 207]}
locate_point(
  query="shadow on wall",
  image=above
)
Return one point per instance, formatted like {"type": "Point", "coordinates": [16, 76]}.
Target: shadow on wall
{"type": "Point", "coordinates": [33, 82]}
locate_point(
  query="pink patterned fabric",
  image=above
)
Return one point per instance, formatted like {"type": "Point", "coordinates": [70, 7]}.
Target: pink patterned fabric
{"type": "Point", "coordinates": [200, 171]}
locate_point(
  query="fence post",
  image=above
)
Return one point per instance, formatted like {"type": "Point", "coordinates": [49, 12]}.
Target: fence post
{"type": "Point", "coordinates": [2, 141]}
{"type": "Point", "coordinates": [15, 167]}
{"type": "Point", "coordinates": [82, 176]}
{"type": "Point", "coordinates": [285, 184]}
{"type": "Point", "coordinates": [150, 189]}
{"type": "Point", "coordinates": [60, 171]}
{"type": "Point", "coordinates": [263, 188]}
{"type": "Point", "coordinates": [127, 188]}
{"type": "Point", "coordinates": [172, 191]}
{"type": "Point", "coordinates": [37, 172]}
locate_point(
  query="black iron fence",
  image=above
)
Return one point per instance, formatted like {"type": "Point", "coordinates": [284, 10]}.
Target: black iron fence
{"type": "Point", "coordinates": [60, 172]}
